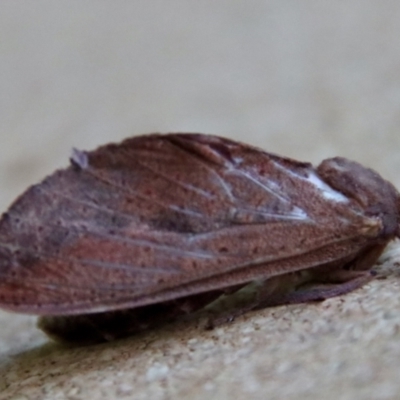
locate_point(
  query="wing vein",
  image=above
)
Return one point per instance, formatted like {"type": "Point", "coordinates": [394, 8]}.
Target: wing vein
{"type": "Point", "coordinates": [131, 193]}
{"type": "Point", "coordinates": [176, 181]}
{"type": "Point", "coordinates": [199, 160]}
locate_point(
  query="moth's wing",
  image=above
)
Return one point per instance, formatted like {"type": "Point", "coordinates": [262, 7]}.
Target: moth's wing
{"type": "Point", "coordinates": [136, 222]}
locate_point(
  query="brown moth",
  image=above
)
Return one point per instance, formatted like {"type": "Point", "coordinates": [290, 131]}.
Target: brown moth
{"type": "Point", "coordinates": [140, 232]}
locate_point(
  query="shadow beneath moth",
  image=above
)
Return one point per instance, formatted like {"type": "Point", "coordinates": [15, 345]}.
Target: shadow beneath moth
{"type": "Point", "coordinates": [138, 233]}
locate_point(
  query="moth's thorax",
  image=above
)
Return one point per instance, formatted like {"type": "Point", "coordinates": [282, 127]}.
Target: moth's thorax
{"type": "Point", "coordinates": [375, 195]}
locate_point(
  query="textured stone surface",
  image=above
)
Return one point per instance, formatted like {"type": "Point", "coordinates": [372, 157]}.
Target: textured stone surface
{"type": "Point", "coordinates": [308, 80]}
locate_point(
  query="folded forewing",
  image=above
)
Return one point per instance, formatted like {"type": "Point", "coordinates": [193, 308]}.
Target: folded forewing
{"type": "Point", "coordinates": [161, 211]}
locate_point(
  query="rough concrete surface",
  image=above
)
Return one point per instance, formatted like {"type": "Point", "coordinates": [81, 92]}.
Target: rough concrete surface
{"type": "Point", "coordinates": [306, 79]}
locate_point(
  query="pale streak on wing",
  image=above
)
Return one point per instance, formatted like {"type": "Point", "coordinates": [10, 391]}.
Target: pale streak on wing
{"type": "Point", "coordinates": [326, 191]}
{"type": "Point", "coordinates": [111, 211]}
{"type": "Point", "coordinates": [186, 211]}
{"type": "Point", "coordinates": [162, 247]}
{"type": "Point", "coordinates": [127, 192]}
{"type": "Point", "coordinates": [220, 181]}
{"type": "Point", "coordinates": [248, 176]}
{"type": "Point", "coordinates": [296, 212]}
{"type": "Point", "coordinates": [234, 168]}
{"type": "Point", "coordinates": [227, 190]}
{"type": "Point", "coordinates": [184, 185]}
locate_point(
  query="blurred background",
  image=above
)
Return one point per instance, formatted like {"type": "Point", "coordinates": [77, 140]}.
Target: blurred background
{"type": "Point", "coordinates": [307, 79]}
{"type": "Point", "coordinates": [304, 79]}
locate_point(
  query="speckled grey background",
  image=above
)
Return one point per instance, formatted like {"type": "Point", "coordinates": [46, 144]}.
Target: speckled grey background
{"type": "Point", "coordinates": [306, 79]}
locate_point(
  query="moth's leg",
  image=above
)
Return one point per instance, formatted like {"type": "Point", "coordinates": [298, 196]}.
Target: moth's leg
{"type": "Point", "coordinates": [283, 290]}
{"type": "Point", "coordinates": [107, 326]}
{"type": "Point", "coordinates": [367, 258]}
{"type": "Point", "coordinates": [330, 282]}
{"type": "Point", "coordinates": [272, 288]}
{"type": "Point", "coordinates": [336, 283]}
{"type": "Point", "coordinates": [314, 284]}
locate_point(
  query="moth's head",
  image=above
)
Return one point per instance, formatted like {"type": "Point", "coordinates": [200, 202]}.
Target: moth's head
{"type": "Point", "coordinates": [375, 195]}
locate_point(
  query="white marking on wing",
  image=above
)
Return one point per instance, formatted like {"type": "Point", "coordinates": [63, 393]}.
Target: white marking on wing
{"type": "Point", "coordinates": [295, 213]}
{"type": "Point", "coordinates": [268, 189]}
{"type": "Point", "coordinates": [220, 181]}
{"type": "Point", "coordinates": [298, 213]}
{"type": "Point", "coordinates": [215, 177]}
{"type": "Point", "coordinates": [172, 249]}
{"type": "Point", "coordinates": [326, 190]}
{"type": "Point", "coordinates": [274, 189]}
{"type": "Point", "coordinates": [187, 211]}
{"type": "Point", "coordinates": [174, 181]}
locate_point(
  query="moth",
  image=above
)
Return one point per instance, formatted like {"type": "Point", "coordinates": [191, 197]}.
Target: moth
{"type": "Point", "coordinates": [159, 226]}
